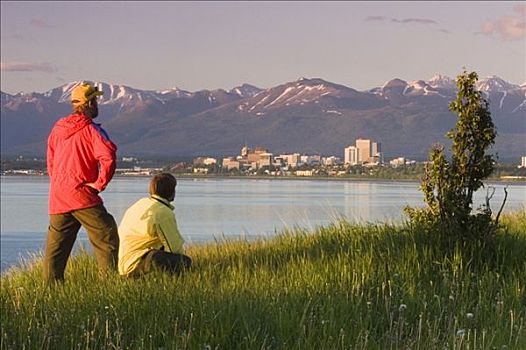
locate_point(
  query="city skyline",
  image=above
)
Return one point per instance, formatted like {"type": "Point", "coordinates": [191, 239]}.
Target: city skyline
{"type": "Point", "coordinates": [209, 45]}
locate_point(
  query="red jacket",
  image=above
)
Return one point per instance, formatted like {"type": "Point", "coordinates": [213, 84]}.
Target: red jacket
{"type": "Point", "coordinates": [79, 152]}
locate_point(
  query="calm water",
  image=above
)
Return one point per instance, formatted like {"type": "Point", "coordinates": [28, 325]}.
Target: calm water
{"type": "Point", "coordinates": [207, 209]}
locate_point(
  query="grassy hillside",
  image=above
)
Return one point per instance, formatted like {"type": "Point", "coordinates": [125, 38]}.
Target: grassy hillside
{"type": "Point", "coordinates": [340, 287]}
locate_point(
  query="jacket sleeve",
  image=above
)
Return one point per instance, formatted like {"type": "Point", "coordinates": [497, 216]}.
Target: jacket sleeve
{"type": "Point", "coordinates": [169, 234]}
{"type": "Point", "coordinates": [105, 153]}
{"type": "Point", "coordinates": [50, 154]}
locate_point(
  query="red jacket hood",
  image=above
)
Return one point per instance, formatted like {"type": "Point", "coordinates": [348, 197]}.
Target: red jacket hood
{"type": "Point", "coordinates": [68, 126]}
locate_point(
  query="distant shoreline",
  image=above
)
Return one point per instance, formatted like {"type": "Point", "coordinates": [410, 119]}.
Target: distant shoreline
{"type": "Point", "coordinates": [287, 178]}
{"type": "Point", "coordinates": [323, 178]}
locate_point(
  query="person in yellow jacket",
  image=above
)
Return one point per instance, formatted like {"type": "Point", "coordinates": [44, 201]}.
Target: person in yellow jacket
{"type": "Point", "coordinates": [149, 237]}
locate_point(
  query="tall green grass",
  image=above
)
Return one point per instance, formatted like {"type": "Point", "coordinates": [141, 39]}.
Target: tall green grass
{"type": "Point", "coordinates": [343, 286]}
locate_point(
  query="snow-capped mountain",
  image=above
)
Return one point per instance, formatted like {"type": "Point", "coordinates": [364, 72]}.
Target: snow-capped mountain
{"type": "Point", "coordinates": [439, 81]}
{"type": "Point", "coordinates": [116, 94]}
{"type": "Point", "coordinates": [488, 84]}
{"type": "Point", "coordinates": [495, 84]}
{"type": "Point", "coordinates": [122, 94]}
{"type": "Point", "coordinates": [306, 114]}
{"type": "Point", "coordinates": [393, 86]}
{"type": "Point", "coordinates": [246, 90]}
{"type": "Point", "coordinates": [300, 92]}
{"type": "Point", "coordinates": [297, 92]}
{"type": "Point", "coordinates": [398, 90]}
{"type": "Point", "coordinates": [303, 92]}
{"type": "Point", "coordinates": [494, 88]}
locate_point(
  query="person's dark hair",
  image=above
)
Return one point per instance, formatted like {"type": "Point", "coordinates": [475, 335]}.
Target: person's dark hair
{"type": "Point", "coordinates": [163, 185]}
{"type": "Point", "coordinates": [89, 108]}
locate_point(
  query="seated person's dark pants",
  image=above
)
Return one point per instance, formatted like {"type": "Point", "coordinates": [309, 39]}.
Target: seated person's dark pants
{"type": "Point", "coordinates": [159, 259]}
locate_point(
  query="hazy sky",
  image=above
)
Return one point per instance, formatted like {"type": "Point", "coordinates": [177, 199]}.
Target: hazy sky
{"type": "Point", "coordinates": [207, 45]}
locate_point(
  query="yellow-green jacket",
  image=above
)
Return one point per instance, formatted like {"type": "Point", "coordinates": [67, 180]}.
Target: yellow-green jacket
{"type": "Point", "coordinates": [148, 224]}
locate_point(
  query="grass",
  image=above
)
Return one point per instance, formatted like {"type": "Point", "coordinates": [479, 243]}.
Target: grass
{"type": "Point", "coordinates": [342, 286]}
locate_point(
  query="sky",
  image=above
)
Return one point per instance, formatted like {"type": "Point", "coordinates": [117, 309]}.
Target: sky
{"type": "Point", "coordinates": [209, 45]}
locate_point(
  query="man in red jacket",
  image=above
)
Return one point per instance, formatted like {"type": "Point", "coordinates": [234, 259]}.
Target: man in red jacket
{"type": "Point", "coordinates": [80, 163]}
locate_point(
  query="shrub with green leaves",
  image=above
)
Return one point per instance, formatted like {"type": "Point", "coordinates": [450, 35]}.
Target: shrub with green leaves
{"type": "Point", "coordinates": [449, 186]}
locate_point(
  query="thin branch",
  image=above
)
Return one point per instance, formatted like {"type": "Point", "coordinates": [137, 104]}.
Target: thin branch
{"type": "Point", "coordinates": [502, 206]}
{"type": "Point", "coordinates": [489, 196]}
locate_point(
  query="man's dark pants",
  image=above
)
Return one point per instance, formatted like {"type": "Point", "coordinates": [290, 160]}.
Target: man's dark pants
{"type": "Point", "coordinates": [159, 259]}
{"type": "Point", "coordinates": [62, 233]}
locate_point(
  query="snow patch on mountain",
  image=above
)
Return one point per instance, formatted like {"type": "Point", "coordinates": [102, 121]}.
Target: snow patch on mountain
{"type": "Point", "coordinates": [259, 103]}
{"type": "Point", "coordinates": [283, 94]}
{"type": "Point", "coordinates": [504, 93]}
{"type": "Point", "coordinates": [422, 88]}
{"type": "Point", "coordinates": [494, 84]}
{"type": "Point", "coordinates": [520, 107]}
{"type": "Point", "coordinates": [246, 90]}
{"type": "Point", "coordinates": [298, 92]}
{"type": "Point", "coordinates": [394, 83]}
{"type": "Point", "coordinates": [122, 93]}
{"type": "Point", "coordinates": [441, 82]}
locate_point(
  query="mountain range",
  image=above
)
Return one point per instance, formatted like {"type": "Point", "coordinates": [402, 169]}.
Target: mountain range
{"type": "Point", "coordinates": [311, 116]}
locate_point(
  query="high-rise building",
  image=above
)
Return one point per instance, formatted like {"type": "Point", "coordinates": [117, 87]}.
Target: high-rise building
{"type": "Point", "coordinates": [376, 153]}
{"type": "Point", "coordinates": [376, 148]}
{"type": "Point", "coordinates": [350, 155]}
{"type": "Point", "coordinates": [364, 150]}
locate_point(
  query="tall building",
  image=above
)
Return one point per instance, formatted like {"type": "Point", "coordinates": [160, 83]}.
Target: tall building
{"type": "Point", "coordinates": [350, 155]}
{"type": "Point", "coordinates": [364, 150]}
{"type": "Point", "coordinates": [376, 148]}
{"type": "Point", "coordinates": [376, 153]}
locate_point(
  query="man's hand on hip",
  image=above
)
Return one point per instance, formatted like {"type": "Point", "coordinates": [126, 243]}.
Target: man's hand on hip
{"type": "Point", "coordinates": [92, 185]}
